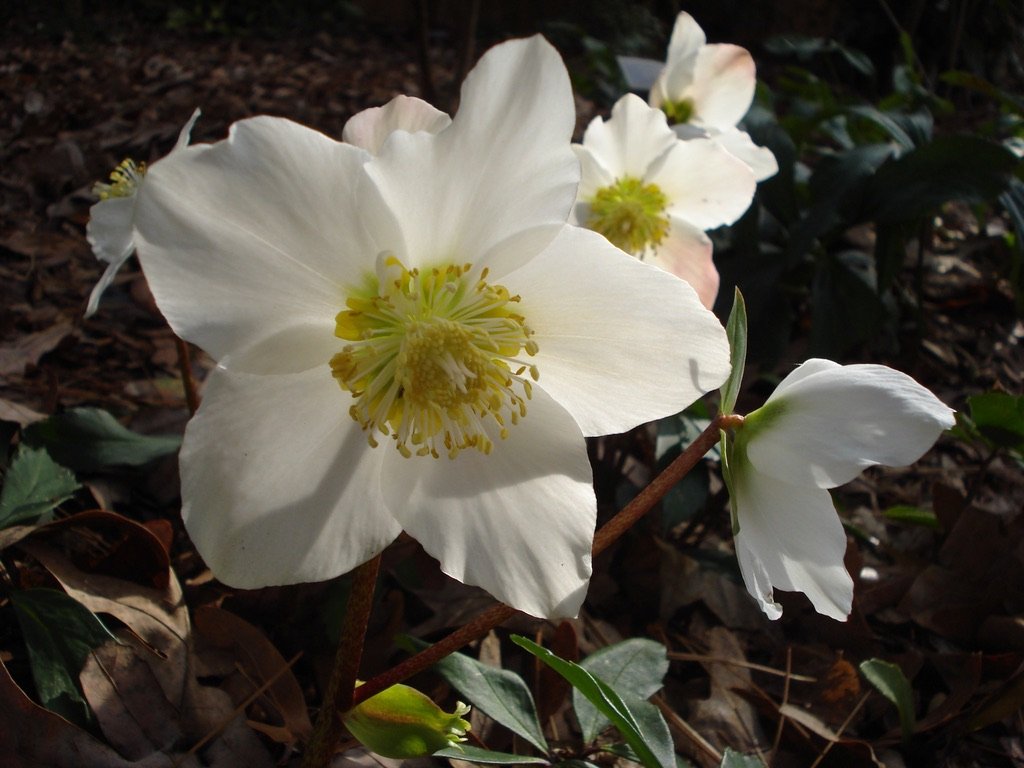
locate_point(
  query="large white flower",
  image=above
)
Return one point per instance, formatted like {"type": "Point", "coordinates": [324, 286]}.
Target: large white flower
{"type": "Point", "coordinates": [414, 340]}
{"type": "Point", "coordinates": [653, 195]}
{"type": "Point", "coordinates": [705, 90]}
{"type": "Point", "coordinates": [110, 230]}
{"type": "Point", "coordinates": [821, 427]}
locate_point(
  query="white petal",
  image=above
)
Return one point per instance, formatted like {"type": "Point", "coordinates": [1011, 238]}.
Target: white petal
{"type": "Point", "coordinates": [790, 538]}
{"type": "Point", "coordinates": [704, 184]}
{"type": "Point", "coordinates": [279, 485]}
{"type": "Point", "coordinates": [518, 522]}
{"type": "Point", "coordinates": [620, 342]}
{"type": "Point", "coordinates": [687, 253]}
{"type": "Point", "coordinates": [630, 141]}
{"type": "Point", "coordinates": [593, 177]}
{"type": "Point", "coordinates": [185, 134]}
{"type": "Point", "coordinates": [505, 163]}
{"type": "Point", "coordinates": [687, 41]}
{"type": "Point", "coordinates": [247, 238]}
{"type": "Point", "coordinates": [371, 127]}
{"type": "Point", "coordinates": [836, 420]}
{"type": "Point", "coordinates": [111, 236]}
{"type": "Point", "coordinates": [687, 37]}
{"type": "Point", "coordinates": [737, 143]}
{"type": "Point", "coordinates": [724, 80]}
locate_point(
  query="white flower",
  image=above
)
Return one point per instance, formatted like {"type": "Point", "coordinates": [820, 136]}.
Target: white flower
{"type": "Point", "coordinates": [705, 90]}
{"type": "Point", "coordinates": [823, 424]}
{"type": "Point", "coordinates": [653, 195]}
{"type": "Point", "coordinates": [111, 220]}
{"type": "Point", "coordinates": [368, 129]}
{"type": "Point", "coordinates": [414, 340]}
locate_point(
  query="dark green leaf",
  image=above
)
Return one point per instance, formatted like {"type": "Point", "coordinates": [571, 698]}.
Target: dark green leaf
{"type": "Point", "coordinates": [653, 729]}
{"type": "Point", "coordinates": [736, 328]}
{"type": "Point", "coordinates": [999, 418]}
{"type": "Point", "coordinates": [950, 168]}
{"type": "Point", "coordinates": [893, 684]}
{"type": "Point", "coordinates": [733, 759]}
{"type": "Point", "coordinates": [846, 310]}
{"type": "Point", "coordinates": [88, 439]}
{"type": "Point", "coordinates": [473, 754]}
{"type": "Point", "coordinates": [914, 515]}
{"type": "Point", "coordinates": [500, 694]}
{"type": "Point", "coordinates": [602, 696]}
{"type": "Point", "coordinates": [885, 122]}
{"type": "Point", "coordinates": [59, 633]}
{"type": "Point", "coordinates": [634, 668]}
{"type": "Point", "coordinates": [34, 484]}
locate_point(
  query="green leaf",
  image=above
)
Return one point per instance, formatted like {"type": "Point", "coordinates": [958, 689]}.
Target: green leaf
{"type": "Point", "coordinates": [498, 693]}
{"type": "Point", "coordinates": [634, 668]}
{"type": "Point", "coordinates": [34, 484]}
{"type": "Point", "coordinates": [736, 329]}
{"type": "Point", "coordinates": [999, 418]}
{"type": "Point", "coordinates": [607, 701]}
{"type": "Point", "coordinates": [473, 754]}
{"type": "Point", "coordinates": [59, 633]}
{"type": "Point", "coordinates": [845, 308]}
{"type": "Point", "coordinates": [903, 513]}
{"type": "Point", "coordinates": [733, 759]}
{"type": "Point", "coordinates": [890, 681]}
{"type": "Point", "coordinates": [949, 168]}
{"type": "Point", "coordinates": [88, 439]}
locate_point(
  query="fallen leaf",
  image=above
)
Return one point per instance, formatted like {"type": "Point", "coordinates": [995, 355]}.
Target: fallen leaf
{"type": "Point", "coordinates": [18, 355]}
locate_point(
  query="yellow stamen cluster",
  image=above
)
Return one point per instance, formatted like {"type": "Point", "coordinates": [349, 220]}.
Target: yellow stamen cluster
{"type": "Point", "coordinates": [124, 181]}
{"type": "Point", "coordinates": [678, 111]}
{"type": "Point", "coordinates": [434, 355]}
{"type": "Point", "coordinates": [630, 214]}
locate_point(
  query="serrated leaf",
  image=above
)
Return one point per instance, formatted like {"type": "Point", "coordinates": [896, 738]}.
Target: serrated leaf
{"type": "Point", "coordinates": [890, 681]}
{"type": "Point", "coordinates": [607, 701]}
{"type": "Point", "coordinates": [89, 439]}
{"type": "Point", "coordinates": [500, 694]}
{"type": "Point", "coordinates": [34, 484]}
{"type": "Point", "coordinates": [999, 417]}
{"type": "Point", "coordinates": [59, 633]}
{"type": "Point", "coordinates": [473, 754]}
{"type": "Point", "coordinates": [634, 668]}
{"type": "Point", "coordinates": [736, 329]}
{"type": "Point", "coordinates": [733, 759]}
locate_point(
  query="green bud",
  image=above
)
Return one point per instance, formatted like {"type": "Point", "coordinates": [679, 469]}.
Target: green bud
{"type": "Point", "coordinates": [401, 722]}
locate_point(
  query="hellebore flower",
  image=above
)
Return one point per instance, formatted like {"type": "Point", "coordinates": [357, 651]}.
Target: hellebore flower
{"type": "Point", "coordinates": [368, 129]}
{"type": "Point", "coordinates": [653, 195]}
{"type": "Point", "coordinates": [821, 427]}
{"type": "Point", "coordinates": [705, 90]}
{"type": "Point", "coordinates": [110, 231]}
{"type": "Point", "coordinates": [414, 340]}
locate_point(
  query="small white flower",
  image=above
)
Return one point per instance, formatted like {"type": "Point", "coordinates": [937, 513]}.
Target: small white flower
{"type": "Point", "coordinates": [653, 195]}
{"type": "Point", "coordinates": [371, 127]}
{"type": "Point", "coordinates": [412, 340]}
{"type": "Point", "coordinates": [705, 90]}
{"type": "Point", "coordinates": [110, 230]}
{"type": "Point", "coordinates": [821, 427]}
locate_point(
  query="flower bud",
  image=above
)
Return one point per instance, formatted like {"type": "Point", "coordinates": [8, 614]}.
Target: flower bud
{"type": "Point", "coordinates": [401, 722]}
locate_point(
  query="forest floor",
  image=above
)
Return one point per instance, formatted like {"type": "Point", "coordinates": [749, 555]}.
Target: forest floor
{"type": "Point", "coordinates": [945, 601]}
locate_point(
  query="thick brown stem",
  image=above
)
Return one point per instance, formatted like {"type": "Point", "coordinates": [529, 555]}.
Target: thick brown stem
{"type": "Point", "coordinates": [340, 688]}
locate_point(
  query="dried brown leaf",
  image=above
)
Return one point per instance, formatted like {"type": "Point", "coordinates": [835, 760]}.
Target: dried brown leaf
{"type": "Point", "coordinates": [18, 355]}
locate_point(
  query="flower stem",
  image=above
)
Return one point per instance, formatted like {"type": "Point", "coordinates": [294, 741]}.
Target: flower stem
{"type": "Point", "coordinates": [604, 538]}
{"type": "Point", "coordinates": [342, 685]}
{"type": "Point", "coordinates": [188, 381]}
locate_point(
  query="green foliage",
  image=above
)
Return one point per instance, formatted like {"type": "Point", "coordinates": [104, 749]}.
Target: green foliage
{"type": "Point", "coordinates": [472, 754]}
{"type": "Point", "coordinates": [88, 439]}
{"type": "Point", "coordinates": [998, 419]}
{"type": "Point", "coordinates": [736, 328]}
{"type": "Point", "coordinates": [59, 633]}
{"type": "Point", "coordinates": [890, 681]}
{"type": "Point", "coordinates": [498, 693]}
{"type": "Point", "coordinates": [733, 759]}
{"type": "Point", "coordinates": [33, 485]}
{"type": "Point", "coordinates": [645, 733]}
{"type": "Point", "coordinates": [903, 513]}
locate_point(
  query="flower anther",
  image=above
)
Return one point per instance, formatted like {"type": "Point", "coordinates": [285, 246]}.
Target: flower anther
{"type": "Point", "coordinates": [678, 111]}
{"type": "Point", "coordinates": [435, 353]}
{"type": "Point", "coordinates": [124, 180]}
{"type": "Point", "coordinates": [631, 214]}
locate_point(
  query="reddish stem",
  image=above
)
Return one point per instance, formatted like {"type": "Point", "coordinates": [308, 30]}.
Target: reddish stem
{"type": "Point", "coordinates": [188, 381]}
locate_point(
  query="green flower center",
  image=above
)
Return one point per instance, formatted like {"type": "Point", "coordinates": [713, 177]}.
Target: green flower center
{"type": "Point", "coordinates": [630, 214]}
{"type": "Point", "coordinates": [434, 355]}
{"type": "Point", "coordinates": [678, 111]}
{"type": "Point", "coordinates": [124, 181]}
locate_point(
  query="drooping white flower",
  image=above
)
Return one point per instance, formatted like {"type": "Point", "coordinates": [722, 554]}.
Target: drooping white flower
{"type": "Point", "coordinates": [705, 90]}
{"type": "Point", "coordinates": [822, 426]}
{"type": "Point", "coordinates": [110, 230]}
{"type": "Point", "coordinates": [653, 195]}
{"type": "Point", "coordinates": [414, 340]}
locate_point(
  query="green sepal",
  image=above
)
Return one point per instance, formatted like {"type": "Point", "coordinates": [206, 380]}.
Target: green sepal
{"type": "Point", "coordinates": [736, 329]}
